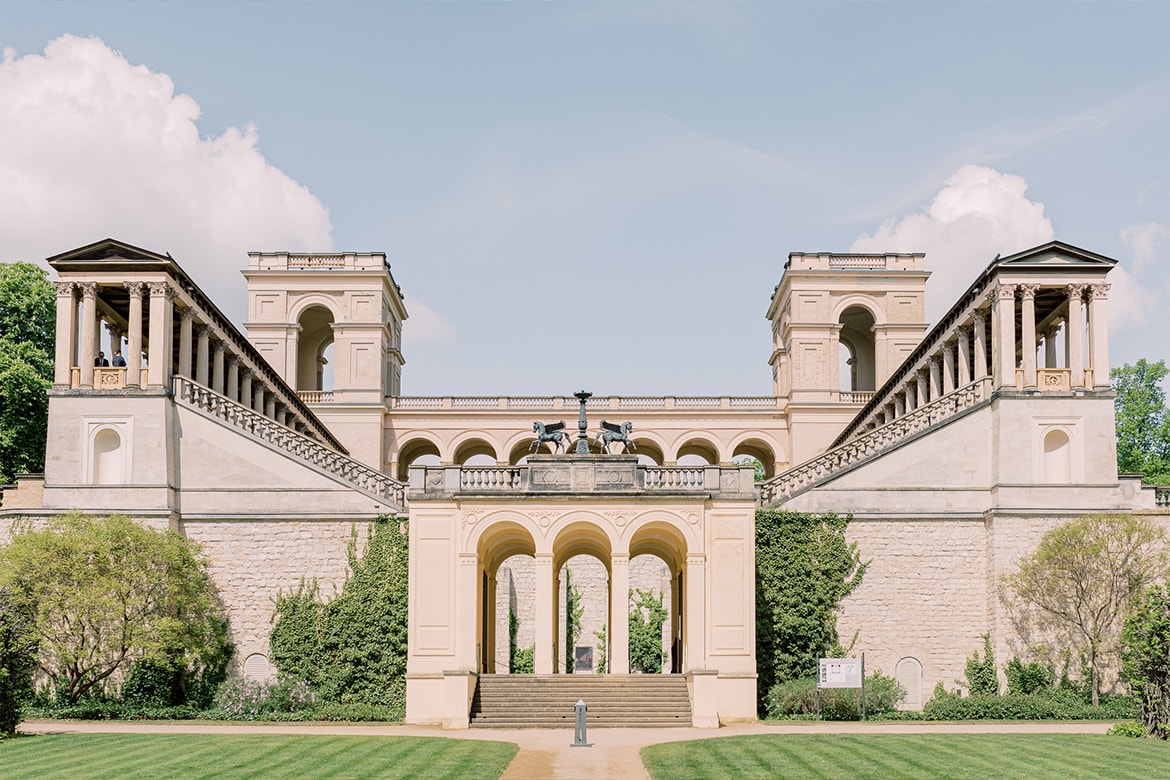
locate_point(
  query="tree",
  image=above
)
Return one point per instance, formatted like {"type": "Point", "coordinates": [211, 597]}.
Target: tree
{"type": "Point", "coordinates": [27, 321]}
{"type": "Point", "coordinates": [1143, 422]}
{"type": "Point", "coordinates": [804, 569]}
{"type": "Point", "coordinates": [351, 648]}
{"type": "Point", "coordinates": [18, 657]}
{"type": "Point", "coordinates": [1146, 659]}
{"type": "Point", "coordinates": [108, 592]}
{"type": "Point", "coordinates": [1082, 580]}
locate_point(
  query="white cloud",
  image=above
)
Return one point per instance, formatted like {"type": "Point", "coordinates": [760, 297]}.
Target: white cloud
{"type": "Point", "coordinates": [1135, 290]}
{"type": "Point", "coordinates": [979, 213]}
{"type": "Point", "coordinates": [425, 326]}
{"type": "Point", "coordinates": [92, 146]}
{"type": "Point", "coordinates": [1143, 241]}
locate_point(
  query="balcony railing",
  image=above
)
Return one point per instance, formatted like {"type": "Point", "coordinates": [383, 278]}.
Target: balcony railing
{"type": "Point", "coordinates": [571, 404]}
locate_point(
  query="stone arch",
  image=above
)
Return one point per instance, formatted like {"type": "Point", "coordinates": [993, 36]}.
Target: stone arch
{"type": "Point", "coordinates": [700, 448]}
{"type": "Point", "coordinates": [662, 537]}
{"type": "Point", "coordinates": [519, 446]}
{"type": "Point", "coordinates": [315, 323]}
{"type": "Point", "coordinates": [412, 450]}
{"type": "Point", "coordinates": [754, 445]}
{"type": "Point", "coordinates": [649, 447]}
{"type": "Point", "coordinates": [856, 336]}
{"type": "Point", "coordinates": [580, 533]}
{"type": "Point", "coordinates": [499, 539]}
{"type": "Point", "coordinates": [472, 445]}
{"type": "Point", "coordinates": [857, 301]}
{"type": "Point", "coordinates": [908, 672]}
{"type": "Point", "coordinates": [108, 461]}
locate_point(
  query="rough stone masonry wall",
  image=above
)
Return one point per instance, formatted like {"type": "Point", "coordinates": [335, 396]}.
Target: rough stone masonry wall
{"type": "Point", "coordinates": [516, 589]}
{"type": "Point", "coordinates": [252, 562]}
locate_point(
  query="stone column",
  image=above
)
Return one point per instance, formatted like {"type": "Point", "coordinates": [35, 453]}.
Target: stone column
{"type": "Point", "coordinates": [935, 377]}
{"type": "Point", "coordinates": [88, 332]}
{"type": "Point", "coordinates": [1076, 335]}
{"type": "Point", "coordinates": [134, 335]}
{"type": "Point", "coordinates": [270, 406]}
{"type": "Point", "coordinates": [1028, 333]}
{"type": "Point", "coordinates": [980, 338]}
{"type": "Point", "coordinates": [186, 347]}
{"type": "Point", "coordinates": [695, 617]}
{"type": "Point", "coordinates": [258, 397]}
{"type": "Point", "coordinates": [217, 375]}
{"type": "Point", "coordinates": [116, 335]}
{"type": "Point", "coordinates": [921, 396]}
{"type": "Point", "coordinates": [911, 396]}
{"type": "Point", "coordinates": [948, 367]}
{"type": "Point", "coordinates": [1050, 347]}
{"type": "Point", "coordinates": [161, 327]}
{"type": "Point", "coordinates": [1099, 335]}
{"type": "Point", "coordinates": [246, 386]}
{"type": "Point", "coordinates": [1005, 334]}
{"type": "Point", "coordinates": [619, 613]}
{"type": "Point", "coordinates": [232, 390]}
{"type": "Point", "coordinates": [546, 606]}
{"type": "Point", "coordinates": [964, 341]}
{"type": "Point", "coordinates": [65, 345]}
{"type": "Point", "coordinates": [202, 354]}
{"type": "Point", "coordinates": [899, 404]}
{"type": "Point", "coordinates": [282, 417]}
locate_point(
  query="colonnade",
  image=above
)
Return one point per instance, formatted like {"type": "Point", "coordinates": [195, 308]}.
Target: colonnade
{"type": "Point", "coordinates": [204, 354]}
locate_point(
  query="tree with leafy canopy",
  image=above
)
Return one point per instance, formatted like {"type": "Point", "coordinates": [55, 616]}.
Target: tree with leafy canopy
{"type": "Point", "coordinates": [1082, 580]}
{"type": "Point", "coordinates": [1143, 421]}
{"type": "Point", "coordinates": [27, 321]}
{"type": "Point", "coordinates": [646, 616]}
{"type": "Point", "coordinates": [109, 592]}
{"type": "Point", "coordinates": [351, 648]}
{"type": "Point", "coordinates": [18, 657]}
{"type": "Point", "coordinates": [1146, 659]}
{"type": "Point", "coordinates": [804, 569]}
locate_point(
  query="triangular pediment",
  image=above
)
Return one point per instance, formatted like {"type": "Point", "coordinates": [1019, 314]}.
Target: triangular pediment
{"type": "Point", "coordinates": [108, 250]}
{"type": "Point", "coordinates": [1053, 254]}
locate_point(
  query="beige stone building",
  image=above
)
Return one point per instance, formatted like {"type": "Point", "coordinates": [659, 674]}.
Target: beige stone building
{"type": "Point", "coordinates": [954, 447]}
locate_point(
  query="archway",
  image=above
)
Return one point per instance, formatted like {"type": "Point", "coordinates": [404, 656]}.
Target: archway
{"type": "Point", "coordinates": [582, 546]}
{"type": "Point", "coordinates": [697, 452]}
{"type": "Point", "coordinates": [417, 452]}
{"type": "Point", "coordinates": [314, 343]}
{"type": "Point", "coordinates": [506, 553]}
{"type": "Point", "coordinates": [658, 554]}
{"type": "Point", "coordinates": [856, 336]}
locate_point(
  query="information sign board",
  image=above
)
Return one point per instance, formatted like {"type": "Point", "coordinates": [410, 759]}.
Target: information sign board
{"type": "Point", "coordinates": [839, 673]}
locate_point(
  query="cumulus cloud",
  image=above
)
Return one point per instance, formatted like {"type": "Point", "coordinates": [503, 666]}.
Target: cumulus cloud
{"type": "Point", "coordinates": [425, 326]}
{"type": "Point", "coordinates": [1135, 290]}
{"type": "Point", "coordinates": [979, 213]}
{"type": "Point", "coordinates": [94, 147]}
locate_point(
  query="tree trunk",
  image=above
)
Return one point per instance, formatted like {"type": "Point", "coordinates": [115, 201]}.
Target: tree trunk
{"type": "Point", "coordinates": [1093, 682]}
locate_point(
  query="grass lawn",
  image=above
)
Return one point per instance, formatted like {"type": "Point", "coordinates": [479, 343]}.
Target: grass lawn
{"type": "Point", "coordinates": [77, 756]}
{"type": "Point", "coordinates": [890, 756]}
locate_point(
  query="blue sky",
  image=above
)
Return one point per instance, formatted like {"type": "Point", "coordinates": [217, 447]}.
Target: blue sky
{"type": "Point", "coordinates": [593, 195]}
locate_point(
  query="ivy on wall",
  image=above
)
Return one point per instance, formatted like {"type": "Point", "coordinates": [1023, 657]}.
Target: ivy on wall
{"type": "Point", "coordinates": [646, 618]}
{"type": "Point", "coordinates": [351, 648]}
{"type": "Point", "coordinates": [804, 568]}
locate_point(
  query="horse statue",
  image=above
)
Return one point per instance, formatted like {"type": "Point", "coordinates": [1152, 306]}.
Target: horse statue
{"type": "Point", "coordinates": [611, 432]}
{"type": "Point", "coordinates": [553, 432]}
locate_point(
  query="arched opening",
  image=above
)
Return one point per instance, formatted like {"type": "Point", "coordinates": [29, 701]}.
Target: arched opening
{"type": "Point", "coordinates": [420, 452]}
{"type": "Point", "coordinates": [908, 673]}
{"type": "Point", "coordinates": [518, 456]}
{"type": "Point", "coordinates": [581, 556]}
{"type": "Point", "coordinates": [856, 336]}
{"type": "Point", "coordinates": [107, 458]}
{"type": "Point", "coordinates": [314, 349]}
{"type": "Point", "coordinates": [697, 452]}
{"type": "Point", "coordinates": [1057, 457]}
{"type": "Point", "coordinates": [649, 453]}
{"type": "Point", "coordinates": [507, 599]}
{"type": "Point", "coordinates": [756, 451]}
{"type": "Point", "coordinates": [475, 452]}
{"type": "Point", "coordinates": [656, 614]}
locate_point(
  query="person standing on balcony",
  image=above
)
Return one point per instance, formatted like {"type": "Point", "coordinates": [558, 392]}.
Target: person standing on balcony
{"type": "Point", "coordinates": [119, 361]}
{"type": "Point", "coordinates": [100, 361]}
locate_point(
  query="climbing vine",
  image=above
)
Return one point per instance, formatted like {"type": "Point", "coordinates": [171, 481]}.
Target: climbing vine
{"type": "Point", "coordinates": [804, 568]}
{"type": "Point", "coordinates": [646, 619]}
{"type": "Point", "coordinates": [351, 648]}
{"type": "Point", "coordinates": [574, 608]}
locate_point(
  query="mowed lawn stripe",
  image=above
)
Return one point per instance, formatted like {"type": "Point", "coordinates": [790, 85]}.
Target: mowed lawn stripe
{"type": "Point", "coordinates": [869, 757]}
{"type": "Point", "coordinates": [242, 757]}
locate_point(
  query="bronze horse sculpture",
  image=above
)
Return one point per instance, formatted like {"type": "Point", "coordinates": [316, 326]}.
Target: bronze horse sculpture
{"type": "Point", "coordinates": [553, 432]}
{"type": "Point", "coordinates": [612, 432]}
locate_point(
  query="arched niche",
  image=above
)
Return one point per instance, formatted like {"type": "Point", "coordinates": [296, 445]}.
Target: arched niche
{"type": "Point", "coordinates": [908, 673]}
{"type": "Point", "coordinates": [1057, 457]}
{"type": "Point", "coordinates": [108, 458]}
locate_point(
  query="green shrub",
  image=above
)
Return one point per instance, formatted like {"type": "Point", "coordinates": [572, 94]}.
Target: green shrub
{"type": "Point", "coordinates": [1127, 728]}
{"type": "Point", "coordinates": [1024, 679]}
{"type": "Point", "coordinates": [980, 672]}
{"type": "Point", "coordinates": [242, 699]}
{"type": "Point", "coordinates": [18, 658]}
{"type": "Point", "coordinates": [1056, 705]}
{"type": "Point", "coordinates": [523, 660]}
{"type": "Point", "coordinates": [794, 697]}
{"type": "Point", "coordinates": [646, 617]}
{"type": "Point", "coordinates": [799, 698]}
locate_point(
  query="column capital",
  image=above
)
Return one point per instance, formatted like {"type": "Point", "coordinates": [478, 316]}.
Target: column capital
{"type": "Point", "coordinates": [977, 317]}
{"type": "Point", "coordinates": [233, 361]}
{"type": "Point", "coordinates": [1004, 292]}
{"type": "Point", "coordinates": [219, 348]}
{"type": "Point", "coordinates": [134, 289]}
{"type": "Point", "coordinates": [186, 314]}
{"type": "Point", "coordinates": [202, 329]}
{"type": "Point", "coordinates": [66, 289]}
{"type": "Point", "coordinates": [1076, 290]}
{"type": "Point", "coordinates": [1028, 291]}
{"type": "Point", "coordinates": [161, 289]}
{"type": "Point", "coordinates": [88, 289]}
{"type": "Point", "coordinates": [1099, 291]}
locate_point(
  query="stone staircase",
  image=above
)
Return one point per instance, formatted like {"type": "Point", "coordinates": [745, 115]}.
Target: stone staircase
{"type": "Point", "coordinates": [525, 701]}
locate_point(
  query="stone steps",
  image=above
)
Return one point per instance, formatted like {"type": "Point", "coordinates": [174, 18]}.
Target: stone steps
{"type": "Point", "coordinates": [613, 701]}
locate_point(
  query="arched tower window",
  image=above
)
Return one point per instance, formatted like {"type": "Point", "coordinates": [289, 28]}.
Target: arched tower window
{"type": "Point", "coordinates": [315, 349]}
{"type": "Point", "coordinates": [859, 370]}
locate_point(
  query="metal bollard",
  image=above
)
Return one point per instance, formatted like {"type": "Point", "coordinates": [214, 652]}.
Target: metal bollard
{"type": "Point", "coordinates": [579, 725]}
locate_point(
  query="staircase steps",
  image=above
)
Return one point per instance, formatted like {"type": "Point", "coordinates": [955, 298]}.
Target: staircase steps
{"type": "Point", "coordinates": [526, 701]}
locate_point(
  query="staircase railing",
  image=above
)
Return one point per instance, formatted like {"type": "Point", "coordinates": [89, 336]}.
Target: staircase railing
{"type": "Point", "coordinates": [346, 468]}
{"type": "Point", "coordinates": [806, 475]}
